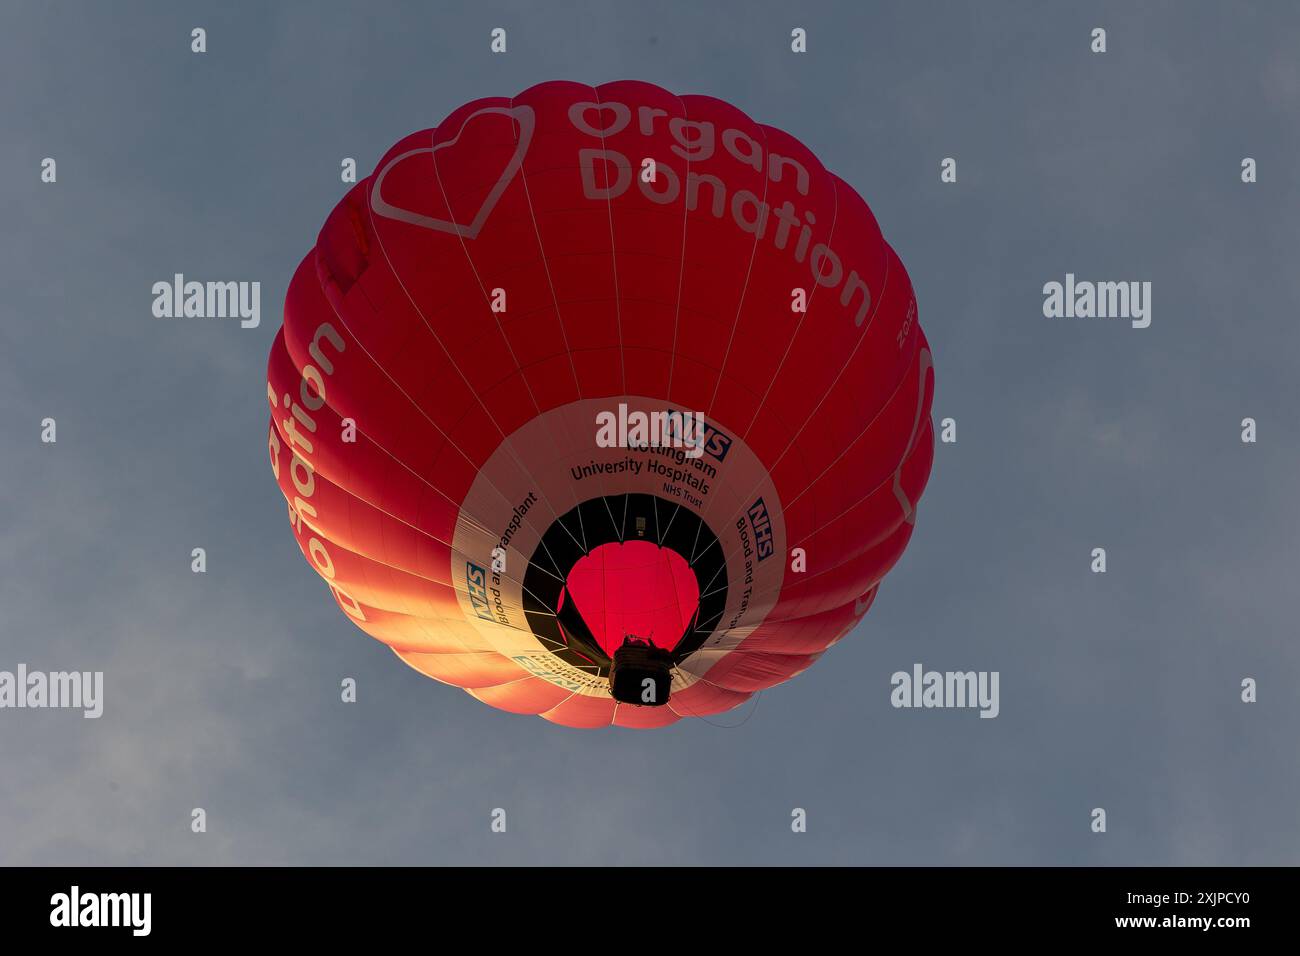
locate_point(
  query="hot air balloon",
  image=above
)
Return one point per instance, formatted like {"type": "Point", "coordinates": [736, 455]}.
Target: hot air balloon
{"type": "Point", "coordinates": [604, 404]}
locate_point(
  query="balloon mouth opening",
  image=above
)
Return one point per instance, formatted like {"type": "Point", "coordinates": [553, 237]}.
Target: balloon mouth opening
{"type": "Point", "coordinates": [630, 591]}
{"type": "Point", "coordinates": [626, 571]}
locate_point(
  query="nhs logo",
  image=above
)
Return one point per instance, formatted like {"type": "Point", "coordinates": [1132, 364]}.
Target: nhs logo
{"type": "Point", "coordinates": [693, 430]}
{"type": "Point", "coordinates": [476, 584]}
{"type": "Point", "coordinates": [762, 525]}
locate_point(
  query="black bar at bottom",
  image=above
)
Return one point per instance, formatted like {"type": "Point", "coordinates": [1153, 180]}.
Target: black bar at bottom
{"type": "Point", "coordinates": [542, 906]}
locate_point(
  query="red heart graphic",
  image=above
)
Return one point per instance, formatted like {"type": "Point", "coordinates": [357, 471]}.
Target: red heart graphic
{"type": "Point", "coordinates": [522, 115]}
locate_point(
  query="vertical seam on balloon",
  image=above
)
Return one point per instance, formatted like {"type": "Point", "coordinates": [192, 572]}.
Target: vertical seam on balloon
{"type": "Point", "coordinates": [681, 266]}
{"type": "Point", "coordinates": [802, 320]}
{"type": "Point", "coordinates": [559, 318]}
{"type": "Point", "coordinates": [613, 257]}
{"type": "Point", "coordinates": [582, 528]}
{"type": "Point", "coordinates": [505, 439]}
{"type": "Point", "coordinates": [749, 272]}
{"type": "Point", "coordinates": [568, 352]}
{"type": "Point", "coordinates": [546, 267]}
{"type": "Point", "coordinates": [604, 483]}
{"type": "Point", "coordinates": [613, 524]}
{"type": "Point", "coordinates": [681, 285]}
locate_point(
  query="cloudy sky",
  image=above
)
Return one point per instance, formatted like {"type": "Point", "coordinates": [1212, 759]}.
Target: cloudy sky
{"type": "Point", "coordinates": [1119, 690]}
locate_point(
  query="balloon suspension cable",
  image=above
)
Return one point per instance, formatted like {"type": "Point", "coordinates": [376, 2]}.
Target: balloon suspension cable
{"type": "Point", "coordinates": [756, 695]}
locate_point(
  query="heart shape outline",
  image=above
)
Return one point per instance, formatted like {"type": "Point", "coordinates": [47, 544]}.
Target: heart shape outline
{"type": "Point", "coordinates": [523, 115]}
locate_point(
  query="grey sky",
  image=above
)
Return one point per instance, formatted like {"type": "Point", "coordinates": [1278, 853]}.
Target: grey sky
{"type": "Point", "coordinates": [1118, 690]}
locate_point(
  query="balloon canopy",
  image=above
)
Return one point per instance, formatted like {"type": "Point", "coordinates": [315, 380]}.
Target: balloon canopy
{"type": "Point", "coordinates": [602, 371]}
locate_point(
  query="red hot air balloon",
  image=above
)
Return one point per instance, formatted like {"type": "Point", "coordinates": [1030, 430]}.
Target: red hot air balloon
{"type": "Point", "coordinates": [604, 404]}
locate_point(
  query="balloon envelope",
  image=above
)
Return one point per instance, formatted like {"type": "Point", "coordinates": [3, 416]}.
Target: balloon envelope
{"type": "Point", "coordinates": [592, 363]}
